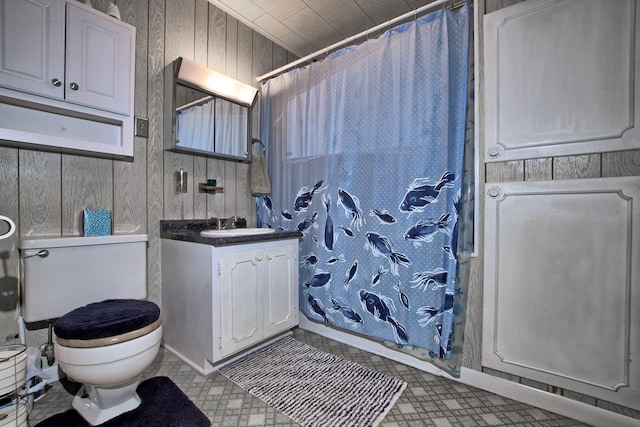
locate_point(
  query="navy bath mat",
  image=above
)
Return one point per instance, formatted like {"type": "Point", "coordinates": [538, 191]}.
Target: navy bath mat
{"type": "Point", "coordinates": [163, 404]}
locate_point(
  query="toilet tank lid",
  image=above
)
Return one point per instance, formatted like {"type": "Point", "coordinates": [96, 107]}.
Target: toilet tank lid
{"type": "Point", "coordinates": [60, 242]}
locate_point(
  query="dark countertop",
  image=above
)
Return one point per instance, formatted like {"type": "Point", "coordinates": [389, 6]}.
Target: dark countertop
{"type": "Point", "coordinates": [188, 230]}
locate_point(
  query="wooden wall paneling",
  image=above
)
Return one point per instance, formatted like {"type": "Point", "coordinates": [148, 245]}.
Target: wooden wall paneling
{"type": "Point", "coordinates": [217, 34]}
{"type": "Point", "coordinates": [201, 33]}
{"type": "Point", "coordinates": [493, 5]}
{"type": "Point", "coordinates": [9, 256]}
{"type": "Point", "coordinates": [505, 171]}
{"type": "Point", "coordinates": [130, 191]}
{"type": "Point", "coordinates": [472, 345]}
{"type": "Point", "coordinates": [179, 41]}
{"type": "Point", "coordinates": [201, 54]}
{"type": "Point", "coordinates": [87, 183]}
{"type": "Point", "coordinates": [244, 73]}
{"type": "Point", "coordinates": [177, 205]}
{"type": "Point", "coordinates": [130, 178]}
{"type": "Point", "coordinates": [279, 56]}
{"type": "Point", "coordinates": [179, 30]}
{"type": "Point", "coordinates": [621, 163]}
{"type": "Point", "coordinates": [538, 169]}
{"type": "Point", "coordinates": [155, 93]}
{"type": "Point", "coordinates": [262, 63]}
{"type": "Point", "coordinates": [230, 183]}
{"type": "Point", "coordinates": [575, 167]}
{"type": "Point", "coordinates": [40, 198]}
{"type": "Point", "coordinates": [199, 175]}
{"type": "Point", "coordinates": [216, 202]}
{"type": "Point", "coordinates": [217, 60]}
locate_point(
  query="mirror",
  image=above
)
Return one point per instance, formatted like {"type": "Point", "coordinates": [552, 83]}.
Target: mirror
{"type": "Point", "coordinates": [207, 113]}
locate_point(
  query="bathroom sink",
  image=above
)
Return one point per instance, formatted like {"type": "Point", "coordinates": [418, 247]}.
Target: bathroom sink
{"type": "Point", "coordinates": [233, 232]}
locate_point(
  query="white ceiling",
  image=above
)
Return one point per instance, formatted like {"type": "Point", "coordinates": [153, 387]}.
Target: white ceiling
{"type": "Point", "coordinates": [305, 26]}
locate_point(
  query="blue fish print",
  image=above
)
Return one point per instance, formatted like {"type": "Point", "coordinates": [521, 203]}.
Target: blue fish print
{"type": "Point", "coordinates": [351, 274]}
{"type": "Point", "coordinates": [268, 205]}
{"type": "Point", "coordinates": [375, 279]}
{"type": "Point", "coordinates": [421, 193]}
{"type": "Point", "coordinates": [334, 259]}
{"type": "Point", "coordinates": [351, 206]}
{"type": "Point", "coordinates": [349, 314]}
{"type": "Point", "coordinates": [309, 261]}
{"type": "Point", "coordinates": [304, 197]}
{"type": "Point", "coordinates": [329, 236]}
{"type": "Point", "coordinates": [381, 246]}
{"type": "Point", "coordinates": [448, 251]}
{"type": "Point", "coordinates": [454, 234]}
{"type": "Point", "coordinates": [430, 312]}
{"type": "Point", "coordinates": [437, 278]}
{"type": "Point", "coordinates": [438, 340]}
{"type": "Point", "coordinates": [286, 215]}
{"type": "Point", "coordinates": [307, 223]}
{"type": "Point", "coordinates": [317, 308]}
{"type": "Point", "coordinates": [347, 231]}
{"type": "Point", "coordinates": [425, 230]}
{"type": "Point", "coordinates": [380, 307]}
{"type": "Point", "coordinates": [404, 299]}
{"type": "Point", "coordinates": [320, 279]}
{"type": "Point", "coordinates": [383, 216]}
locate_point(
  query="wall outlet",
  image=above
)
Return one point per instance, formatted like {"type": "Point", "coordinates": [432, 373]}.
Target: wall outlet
{"type": "Point", "coordinates": [142, 127]}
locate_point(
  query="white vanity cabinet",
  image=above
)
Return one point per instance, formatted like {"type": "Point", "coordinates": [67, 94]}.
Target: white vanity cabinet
{"type": "Point", "coordinates": [66, 74]}
{"type": "Point", "coordinates": [219, 301]}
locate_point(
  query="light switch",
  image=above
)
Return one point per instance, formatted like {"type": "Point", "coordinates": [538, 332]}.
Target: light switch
{"type": "Point", "coordinates": [142, 127]}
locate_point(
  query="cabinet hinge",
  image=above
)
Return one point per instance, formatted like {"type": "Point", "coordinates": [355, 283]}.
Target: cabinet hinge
{"type": "Point", "coordinates": [219, 269]}
{"type": "Point", "coordinates": [220, 342]}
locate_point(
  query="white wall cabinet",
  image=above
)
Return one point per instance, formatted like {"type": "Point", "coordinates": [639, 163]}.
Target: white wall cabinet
{"type": "Point", "coordinates": [561, 275]}
{"type": "Point", "coordinates": [561, 78]}
{"type": "Point", "coordinates": [220, 301]}
{"type": "Point", "coordinates": [66, 76]}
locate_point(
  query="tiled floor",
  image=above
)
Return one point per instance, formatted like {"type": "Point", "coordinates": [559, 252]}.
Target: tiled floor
{"type": "Point", "coordinates": [427, 401]}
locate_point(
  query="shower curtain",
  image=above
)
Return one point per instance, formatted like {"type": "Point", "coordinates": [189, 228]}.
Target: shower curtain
{"type": "Point", "coordinates": [366, 153]}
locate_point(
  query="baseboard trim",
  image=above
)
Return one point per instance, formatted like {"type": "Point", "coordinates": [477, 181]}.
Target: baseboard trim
{"type": "Point", "coordinates": [561, 405]}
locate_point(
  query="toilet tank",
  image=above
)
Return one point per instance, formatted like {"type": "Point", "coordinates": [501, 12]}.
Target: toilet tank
{"type": "Point", "coordinates": [64, 273]}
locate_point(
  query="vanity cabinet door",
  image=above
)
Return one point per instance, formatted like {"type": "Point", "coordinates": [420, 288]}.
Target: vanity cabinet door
{"type": "Point", "coordinates": [32, 46]}
{"type": "Point", "coordinates": [241, 301]}
{"type": "Point", "coordinates": [99, 61]}
{"type": "Point", "coordinates": [281, 289]}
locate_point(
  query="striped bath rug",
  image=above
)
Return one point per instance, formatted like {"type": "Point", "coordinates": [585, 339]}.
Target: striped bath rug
{"type": "Point", "coordinates": [315, 388]}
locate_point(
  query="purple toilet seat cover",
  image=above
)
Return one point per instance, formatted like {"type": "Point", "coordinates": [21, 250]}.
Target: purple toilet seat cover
{"type": "Point", "coordinates": [106, 319]}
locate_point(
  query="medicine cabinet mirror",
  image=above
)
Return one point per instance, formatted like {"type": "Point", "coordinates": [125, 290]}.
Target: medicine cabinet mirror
{"type": "Point", "coordinates": [206, 112]}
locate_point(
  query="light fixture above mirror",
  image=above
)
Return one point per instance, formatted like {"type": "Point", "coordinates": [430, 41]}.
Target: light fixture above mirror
{"type": "Point", "coordinates": [206, 112]}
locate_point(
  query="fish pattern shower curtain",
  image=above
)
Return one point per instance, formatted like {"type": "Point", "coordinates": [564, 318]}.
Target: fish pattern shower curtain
{"type": "Point", "coordinates": [365, 150]}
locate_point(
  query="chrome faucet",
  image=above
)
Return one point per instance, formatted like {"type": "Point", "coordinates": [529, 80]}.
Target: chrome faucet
{"type": "Point", "coordinates": [231, 222]}
{"type": "Point", "coordinates": [218, 223]}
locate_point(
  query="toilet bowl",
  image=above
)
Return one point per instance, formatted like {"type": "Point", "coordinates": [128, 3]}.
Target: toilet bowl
{"type": "Point", "coordinates": [106, 346]}
{"type": "Point", "coordinates": [106, 334]}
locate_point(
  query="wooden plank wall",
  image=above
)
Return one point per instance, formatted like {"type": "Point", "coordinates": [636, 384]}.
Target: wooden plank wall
{"type": "Point", "coordinates": [45, 193]}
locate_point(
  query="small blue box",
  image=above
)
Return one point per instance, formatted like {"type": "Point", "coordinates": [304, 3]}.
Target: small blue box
{"type": "Point", "coordinates": [97, 222]}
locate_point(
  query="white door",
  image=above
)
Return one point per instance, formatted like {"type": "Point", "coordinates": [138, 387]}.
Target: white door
{"type": "Point", "coordinates": [281, 289]}
{"type": "Point", "coordinates": [241, 300]}
{"type": "Point", "coordinates": [99, 60]}
{"type": "Point", "coordinates": [32, 46]}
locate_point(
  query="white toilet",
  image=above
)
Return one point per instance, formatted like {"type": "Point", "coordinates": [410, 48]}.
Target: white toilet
{"type": "Point", "coordinates": [106, 334]}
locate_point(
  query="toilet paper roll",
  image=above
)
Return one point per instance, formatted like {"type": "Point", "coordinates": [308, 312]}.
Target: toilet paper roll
{"type": "Point", "coordinates": [12, 227]}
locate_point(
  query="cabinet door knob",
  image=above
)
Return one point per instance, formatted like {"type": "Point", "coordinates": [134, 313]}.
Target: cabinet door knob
{"type": "Point", "coordinates": [74, 86]}
{"type": "Point", "coordinates": [56, 82]}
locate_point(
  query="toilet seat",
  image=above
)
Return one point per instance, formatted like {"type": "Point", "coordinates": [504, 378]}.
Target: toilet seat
{"type": "Point", "coordinates": [108, 322]}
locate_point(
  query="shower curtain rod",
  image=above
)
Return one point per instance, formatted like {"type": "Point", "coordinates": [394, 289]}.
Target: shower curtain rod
{"type": "Point", "coordinates": [348, 40]}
